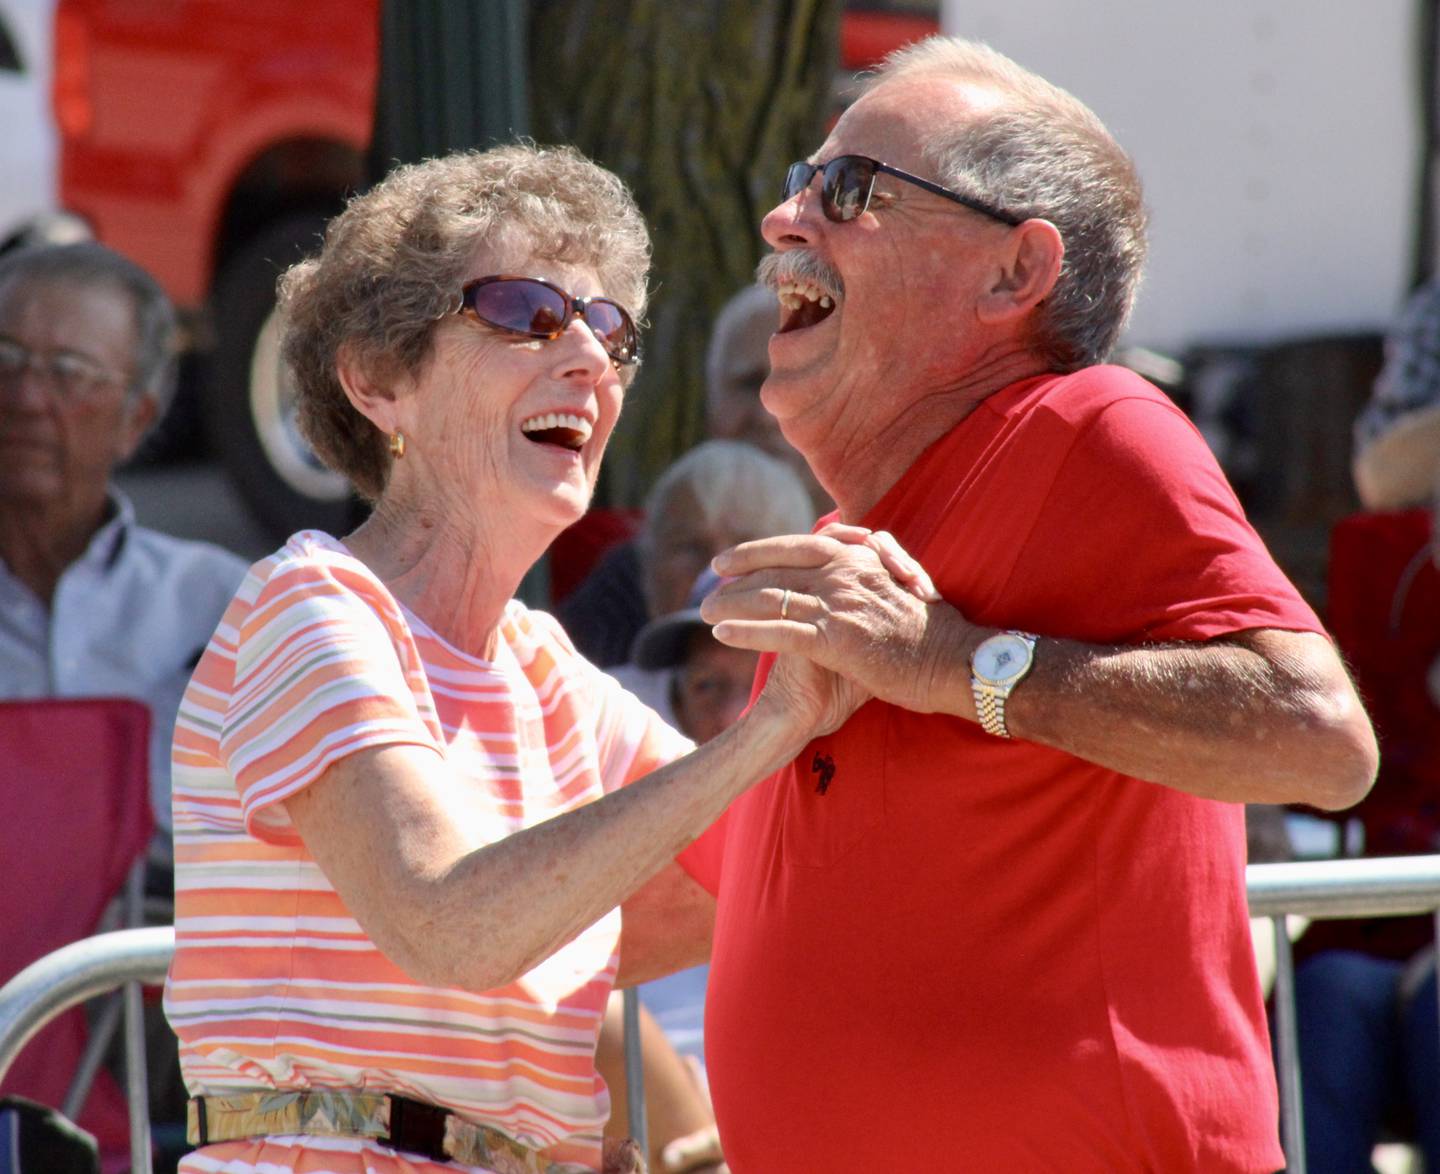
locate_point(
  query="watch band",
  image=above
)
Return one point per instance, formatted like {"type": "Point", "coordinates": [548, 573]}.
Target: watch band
{"type": "Point", "coordinates": [990, 708]}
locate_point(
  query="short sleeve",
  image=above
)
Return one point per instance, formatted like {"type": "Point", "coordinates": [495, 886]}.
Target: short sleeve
{"type": "Point", "coordinates": [324, 667]}
{"type": "Point", "coordinates": [1141, 538]}
{"type": "Point", "coordinates": [631, 739]}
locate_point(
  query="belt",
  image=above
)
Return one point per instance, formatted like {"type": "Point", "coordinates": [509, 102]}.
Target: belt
{"type": "Point", "coordinates": [399, 1122]}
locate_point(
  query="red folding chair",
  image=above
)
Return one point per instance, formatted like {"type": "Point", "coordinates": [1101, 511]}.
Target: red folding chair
{"type": "Point", "coordinates": [75, 793]}
{"type": "Point", "coordinates": [1385, 614]}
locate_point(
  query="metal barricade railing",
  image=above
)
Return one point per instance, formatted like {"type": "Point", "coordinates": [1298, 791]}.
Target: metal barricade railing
{"type": "Point", "coordinates": [1396, 886]}
{"type": "Point", "coordinates": [80, 971]}
{"type": "Point", "coordinates": [1382, 887]}
{"type": "Point", "coordinates": [131, 957]}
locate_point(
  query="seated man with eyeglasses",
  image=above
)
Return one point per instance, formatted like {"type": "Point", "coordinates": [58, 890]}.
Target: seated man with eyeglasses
{"type": "Point", "coordinates": [92, 604]}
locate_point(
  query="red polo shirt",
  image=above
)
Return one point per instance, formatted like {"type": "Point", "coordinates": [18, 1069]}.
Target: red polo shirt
{"type": "Point", "coordinates": [938, 950]}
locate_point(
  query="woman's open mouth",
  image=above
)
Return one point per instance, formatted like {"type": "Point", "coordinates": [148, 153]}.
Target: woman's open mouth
{"type": "Point", "coordinates": [560, 429]}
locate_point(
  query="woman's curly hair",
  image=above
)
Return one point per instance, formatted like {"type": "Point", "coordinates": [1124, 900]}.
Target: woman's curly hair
{"type": "Point", "coordinates": [394, 260]}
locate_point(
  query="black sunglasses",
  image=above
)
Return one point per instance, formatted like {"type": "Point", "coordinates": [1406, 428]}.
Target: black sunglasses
{"type": "Point", "coordinates": [848, 181]}
{"type": "Point", "coordinates": [537, 309]}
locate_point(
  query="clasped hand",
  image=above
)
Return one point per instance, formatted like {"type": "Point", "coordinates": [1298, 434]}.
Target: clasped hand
{"type": "Point", "coordinates": [849, 612]}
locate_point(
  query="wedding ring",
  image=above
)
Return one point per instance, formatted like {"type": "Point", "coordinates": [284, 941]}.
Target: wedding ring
{"type": "Point", "coordinates": [785, 604]}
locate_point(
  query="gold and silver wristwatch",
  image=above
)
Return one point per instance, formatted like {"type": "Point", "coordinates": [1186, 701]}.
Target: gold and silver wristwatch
{"type": "Point", "coordinates": [997, 666]}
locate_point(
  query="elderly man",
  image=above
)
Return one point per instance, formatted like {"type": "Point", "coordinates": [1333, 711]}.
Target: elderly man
{"type": "Point", "coordinates": [997, 921]}
{"type": "Point", "coordinates": [91, 603]}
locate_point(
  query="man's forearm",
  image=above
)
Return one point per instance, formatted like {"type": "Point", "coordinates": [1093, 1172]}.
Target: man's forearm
{"type": "Point", "coordinates": [1261, 717]}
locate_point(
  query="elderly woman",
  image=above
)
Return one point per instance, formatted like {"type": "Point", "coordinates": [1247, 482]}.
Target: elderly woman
{"type": "Point", "coordinates": [405, 810]}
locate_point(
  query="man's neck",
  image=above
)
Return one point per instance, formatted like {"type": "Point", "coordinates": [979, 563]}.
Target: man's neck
{"type": "Point", "coordinates": [458, 579]}
{"type": "Point", "coordinates": [37, 543]}
{"type": "Point", "coordinates": [858, 467]}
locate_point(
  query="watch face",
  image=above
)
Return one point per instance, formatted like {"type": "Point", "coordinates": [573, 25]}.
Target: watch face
{"type": "Point", "coordinates": [1001, 658]}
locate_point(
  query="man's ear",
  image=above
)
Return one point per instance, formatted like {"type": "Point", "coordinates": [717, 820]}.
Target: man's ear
{"type": "Point", "coordinates": [138, 418]}
{"type": "Point", "coordinates": [372, 397]}
{"type": "Point", "coordinates": [1029, 267]}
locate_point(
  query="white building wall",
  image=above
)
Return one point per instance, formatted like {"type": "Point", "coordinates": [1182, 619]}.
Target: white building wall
{"type": "Point", "coordinates": [1279, 142]}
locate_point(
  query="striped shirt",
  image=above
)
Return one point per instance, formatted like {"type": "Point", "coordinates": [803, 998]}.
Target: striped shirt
{"type": "Point", "coordinates": [274, 983]}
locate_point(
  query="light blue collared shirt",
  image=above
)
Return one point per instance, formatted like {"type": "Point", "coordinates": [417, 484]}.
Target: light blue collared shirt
{"type": "Point", "coordinates": [130, 618]}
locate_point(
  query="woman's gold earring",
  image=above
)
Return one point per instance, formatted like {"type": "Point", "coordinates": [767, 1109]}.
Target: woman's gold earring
{"type": "Point", "coordinates": [397, 445]}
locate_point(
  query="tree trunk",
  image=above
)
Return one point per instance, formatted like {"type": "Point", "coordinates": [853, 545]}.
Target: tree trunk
{"type": "Point", "coordinates": [699, 105]}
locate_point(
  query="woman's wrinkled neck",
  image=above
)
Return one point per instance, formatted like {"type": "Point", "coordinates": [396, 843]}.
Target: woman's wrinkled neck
{"type": "Point", "coordinates": [456, 575]}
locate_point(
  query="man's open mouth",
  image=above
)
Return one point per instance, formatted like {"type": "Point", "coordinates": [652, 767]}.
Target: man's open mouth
{"type": "Point", "coordinates": [561, 429]}
{"type": "Point", "coordinates": [802, 305]}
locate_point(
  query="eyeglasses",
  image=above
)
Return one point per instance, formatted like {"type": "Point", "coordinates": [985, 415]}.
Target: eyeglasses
{"type": "Point", "coordinates": [536, 309]}
{"type": "Point", "coordinates": [72, 376]}
{"type": "Point", "coordinates": [848, 181]}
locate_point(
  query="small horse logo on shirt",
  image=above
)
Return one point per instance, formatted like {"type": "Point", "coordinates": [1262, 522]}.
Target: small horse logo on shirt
{"type": "Point", "coordinates": [824, 766]}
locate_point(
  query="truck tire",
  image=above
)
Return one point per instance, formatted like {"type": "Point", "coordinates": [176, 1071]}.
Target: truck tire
{"type": "Point", "coordinates": [247, 404]}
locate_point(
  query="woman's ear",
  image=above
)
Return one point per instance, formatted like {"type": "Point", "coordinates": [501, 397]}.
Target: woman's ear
{"type": "Point", "coordinates": [1029, 267]}
{"type": "Point", "coordinates": [372, 397]}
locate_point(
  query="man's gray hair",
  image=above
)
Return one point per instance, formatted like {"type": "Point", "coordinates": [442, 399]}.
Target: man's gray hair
{"type": "Point", "coordinates": [1043, 154]}
{"type": "Point", "coordinates": [90, 264]}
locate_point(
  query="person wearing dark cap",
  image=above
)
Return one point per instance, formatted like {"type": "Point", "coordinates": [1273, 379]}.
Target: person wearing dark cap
{"type": "Point", "coordinates": [689, 678]}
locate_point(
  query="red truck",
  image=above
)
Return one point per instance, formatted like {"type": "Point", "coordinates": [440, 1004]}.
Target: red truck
{"type": "Point", "coordinates": [209, 140]}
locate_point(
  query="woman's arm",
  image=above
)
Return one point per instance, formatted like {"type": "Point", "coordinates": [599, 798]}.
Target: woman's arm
{"type": "Point", "coordinates": [1398, 468]}
{"type": "Point", "coordinates": [452, 910]}
{"type": "Point", "coordinates": [677, 1107]}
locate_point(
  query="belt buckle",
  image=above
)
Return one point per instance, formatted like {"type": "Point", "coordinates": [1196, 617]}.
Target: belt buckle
{"type": "Point", "coordinates": [417, 1127]}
